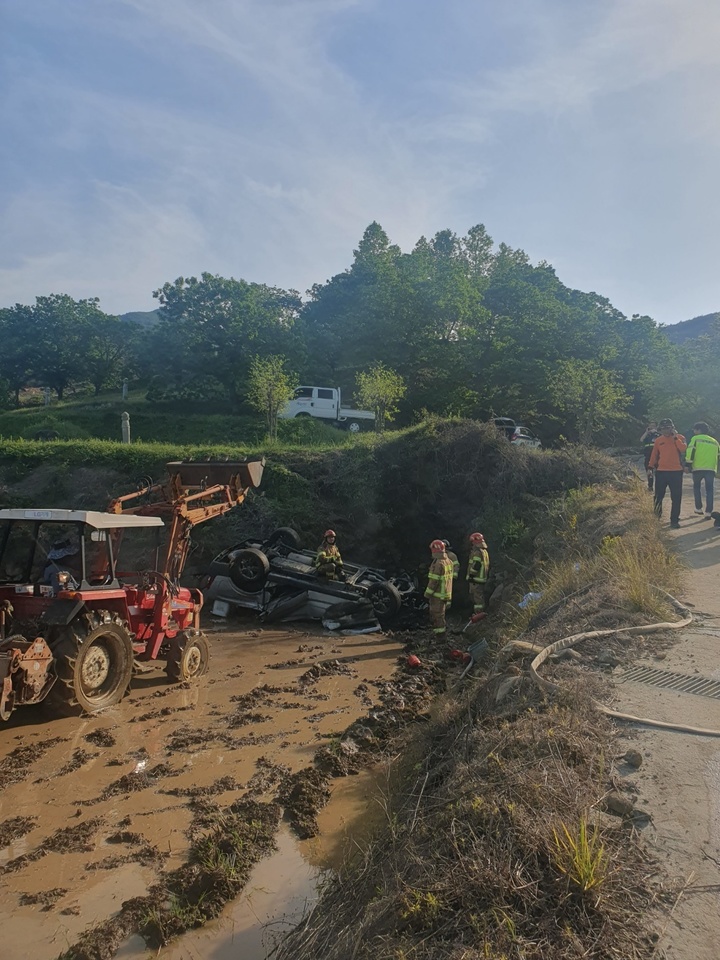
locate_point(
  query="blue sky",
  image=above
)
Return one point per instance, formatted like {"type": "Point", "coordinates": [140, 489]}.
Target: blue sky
{"type": "Point", "coordinates": [143, 140]}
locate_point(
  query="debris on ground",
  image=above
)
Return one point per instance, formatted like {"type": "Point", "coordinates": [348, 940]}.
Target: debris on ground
{"type": "Point", "coordinates": [14, 829]}
{"type": "Point", "coordinates": [303, 794]}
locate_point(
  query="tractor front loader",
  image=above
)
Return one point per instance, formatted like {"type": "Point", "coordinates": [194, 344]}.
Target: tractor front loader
{"type": "Point", "coordinates": [99, 593]}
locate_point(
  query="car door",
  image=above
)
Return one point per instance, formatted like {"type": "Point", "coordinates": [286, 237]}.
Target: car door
{"type": "Point", "coordinates": [525, 438]}
{"type": "Point", "coordinates": [325, 402]}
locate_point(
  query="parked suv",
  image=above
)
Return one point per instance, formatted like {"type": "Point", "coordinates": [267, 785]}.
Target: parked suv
{"type": "Point", "coordinates": [525, 438]}
{"type": "Point", "coordinates": [516, 433]}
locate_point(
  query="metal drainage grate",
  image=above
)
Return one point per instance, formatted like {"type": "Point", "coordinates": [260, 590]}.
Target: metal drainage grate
{"type": "Point", "coordinates": [700, 686]}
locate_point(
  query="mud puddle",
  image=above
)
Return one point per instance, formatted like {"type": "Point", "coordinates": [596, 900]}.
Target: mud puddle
{"type": "Point", "coordinates": [98, 810]}
{"type": "Point", "coordinates": [284, 885]}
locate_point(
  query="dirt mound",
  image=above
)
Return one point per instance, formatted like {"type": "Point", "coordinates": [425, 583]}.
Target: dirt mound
{"type": "Point", "coordinates": [15, 829]}
{"type": "Point", "coordinates": [18, 760]}
{"type": "Point", "coordinates": [303, 794]}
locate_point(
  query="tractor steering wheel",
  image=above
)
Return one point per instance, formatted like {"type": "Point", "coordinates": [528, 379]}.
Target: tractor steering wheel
{"type": "Point", "coordinates": [156, 575]}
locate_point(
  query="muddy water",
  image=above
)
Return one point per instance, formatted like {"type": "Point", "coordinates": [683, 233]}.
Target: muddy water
{"type": "Point", "coordinates": [285, 885]}
{"type": "Point", "coordinates": [86, 780]}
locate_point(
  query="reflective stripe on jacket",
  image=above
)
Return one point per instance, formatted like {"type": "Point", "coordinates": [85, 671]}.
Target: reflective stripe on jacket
{"type": "Point", "coordinates": [478, 565]}
{"type": "Point", "coordinates": [702, 452]}
{"type": "Point", "coordinates": [440, 579]}
{"type": "Point", "coordinates": [328, 553]}
{"type": "Point", "coordinates": [452, 557]}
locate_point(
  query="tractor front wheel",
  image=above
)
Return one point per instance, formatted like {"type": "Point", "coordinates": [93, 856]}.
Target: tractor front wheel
{"type": "Point", "coordinates": [94, 668]}
{"type": "Point", "coordinates": [188, 657]}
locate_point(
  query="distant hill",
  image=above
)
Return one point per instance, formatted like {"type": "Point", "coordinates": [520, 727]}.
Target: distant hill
{"type": "Point", "coordinates": [690, 329]}
{"type": "Point", "coordinates": [147, 318]}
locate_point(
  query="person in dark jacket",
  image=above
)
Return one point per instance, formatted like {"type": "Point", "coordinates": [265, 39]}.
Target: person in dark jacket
{"type": "Point", "coordinates": [647, 440]}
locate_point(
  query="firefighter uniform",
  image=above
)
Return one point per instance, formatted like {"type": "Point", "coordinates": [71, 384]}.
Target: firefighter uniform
{"type": "Point", "coordinates": [439, 588]}
{"type": "Point", "coordinates": [328, 561]}
{"type": "Point", "coordinates": [453, 559]}
{"type": "Point", "coordinates": [478, 571]}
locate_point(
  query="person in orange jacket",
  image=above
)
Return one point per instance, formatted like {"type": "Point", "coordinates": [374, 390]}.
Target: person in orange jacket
{"type": "Point", "coordinates": [668, 461]}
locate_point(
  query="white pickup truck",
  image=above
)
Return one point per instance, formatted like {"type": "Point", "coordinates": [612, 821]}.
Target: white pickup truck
{"type": "Point", "coordinates": [326, 404]}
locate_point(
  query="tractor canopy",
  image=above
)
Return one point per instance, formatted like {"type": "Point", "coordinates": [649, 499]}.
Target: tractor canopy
{"type": "Point", "coordinates": [45, 551]}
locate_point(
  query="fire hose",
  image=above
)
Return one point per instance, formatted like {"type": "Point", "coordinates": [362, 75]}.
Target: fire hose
{"type": "Point", "coordinates": [565, 643]}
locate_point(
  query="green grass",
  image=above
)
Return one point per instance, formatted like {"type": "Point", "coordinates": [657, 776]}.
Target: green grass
{"type": "Point", "coordinates": [580, 856]}
{"type": "Point", "coordinates": [176, 422]}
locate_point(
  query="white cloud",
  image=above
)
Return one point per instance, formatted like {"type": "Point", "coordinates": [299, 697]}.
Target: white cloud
{"type": "Point", "coordinates": [275, 166]}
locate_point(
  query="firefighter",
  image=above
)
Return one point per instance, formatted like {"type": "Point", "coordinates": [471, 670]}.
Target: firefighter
{"type": "Point", "coordinates": [478, 570]}
{"type": "Point", "coordinates": [328, 561]}
{"type": "Point", "coordinates": [439, 588]}
{"type": "Point", "coordinates": [453, 557]}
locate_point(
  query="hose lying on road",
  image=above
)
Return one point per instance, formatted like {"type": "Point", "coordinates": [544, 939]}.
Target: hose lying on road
{"type": "Point", "coordinates": [567, 642]}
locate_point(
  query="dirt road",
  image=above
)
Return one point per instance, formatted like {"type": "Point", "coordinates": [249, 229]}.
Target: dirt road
{"type": "Point", "coordinates": [92, 809]}
{"type": "Point", "coordinates": [679, 781]}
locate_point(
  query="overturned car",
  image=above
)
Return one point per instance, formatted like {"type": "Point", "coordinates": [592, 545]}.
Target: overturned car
{"type": "Point", "coordinates": [277, 578]}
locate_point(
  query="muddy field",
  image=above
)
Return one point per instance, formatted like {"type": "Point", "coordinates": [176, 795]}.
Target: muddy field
{"type": "Point", "coordinates": [96, 811]}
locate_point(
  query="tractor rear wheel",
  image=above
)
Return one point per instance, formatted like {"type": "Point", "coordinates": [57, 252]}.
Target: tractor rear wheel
{"type": "Point", "coordinates": [94, 666]}
{"type": "Point", "coordinates": [188, 657]}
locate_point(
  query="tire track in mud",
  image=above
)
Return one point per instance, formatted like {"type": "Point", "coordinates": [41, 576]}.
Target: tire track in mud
{"type": "Point", "coordinates": [222, 775]}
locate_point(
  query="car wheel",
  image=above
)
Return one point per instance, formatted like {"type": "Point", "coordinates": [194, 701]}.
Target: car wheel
{"type": "Point", "coordinates": [286, 535]}
{"type": "Point", "coordinates": [353, 426]}
{"type": "Point", "coordinates": [386, 600]}
{"type": "Point", "coordinates": [248, 569]}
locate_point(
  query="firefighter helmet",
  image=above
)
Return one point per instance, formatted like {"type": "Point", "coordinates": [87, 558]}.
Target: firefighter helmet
{"type": "Point", "coordinates": [329, 533]}
{"type": "Point", "coordinates": [437, 546]}
{"type": "Point", "coordinates": [477, 538]}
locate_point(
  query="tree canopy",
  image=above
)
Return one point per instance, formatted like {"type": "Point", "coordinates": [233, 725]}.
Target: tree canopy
{"type": "Point", "coordinates": [468, 327]}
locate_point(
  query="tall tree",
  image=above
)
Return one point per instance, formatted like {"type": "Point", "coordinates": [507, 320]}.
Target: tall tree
{"type": "Point", "coordinates": [18, 351]}
{"type": "Point", "coordinates": [380, 389]}
{"type": "Point", "coordinates": [590, 396]}
{"type": "Point", "coordinates": [111, 350]}
{"type": "Point", "coordinates": [269, 387]}
{"type": "Point", "coordinates": [61, 330]}
{"type": "Point", "coordinates": [213, 326]}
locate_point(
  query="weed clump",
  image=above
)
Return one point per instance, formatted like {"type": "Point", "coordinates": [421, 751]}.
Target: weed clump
{"type": "Point", "coordinates": [484, 858]}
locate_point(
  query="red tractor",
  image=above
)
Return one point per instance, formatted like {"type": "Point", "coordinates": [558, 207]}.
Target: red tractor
{"type": "Point", "coordinates": [100, 592]}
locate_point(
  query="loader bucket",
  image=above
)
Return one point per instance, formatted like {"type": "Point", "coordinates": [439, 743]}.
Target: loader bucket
{"type": "Point", "coordinates": [209, 473]}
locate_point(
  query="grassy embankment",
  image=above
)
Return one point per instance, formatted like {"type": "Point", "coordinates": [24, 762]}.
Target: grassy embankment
{"type": "Point", "coordinates": [387, 496]}
{"type": "Point", "coordinates": [174, 422]}
{"type": "Point", "coordinates": [491, 849]}
{"type": "Point", "coordinates": [497, 846]}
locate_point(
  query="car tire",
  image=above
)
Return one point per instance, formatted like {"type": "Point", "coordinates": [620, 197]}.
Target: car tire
{"type": "Point", "coordinates": [386, 600]}
{"type": "Point", "coordinates": [353, 426]}
{"type": "Point", "coordinates": [286, 535]}
{"type": "Point", "coordinates": [248, 569]}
